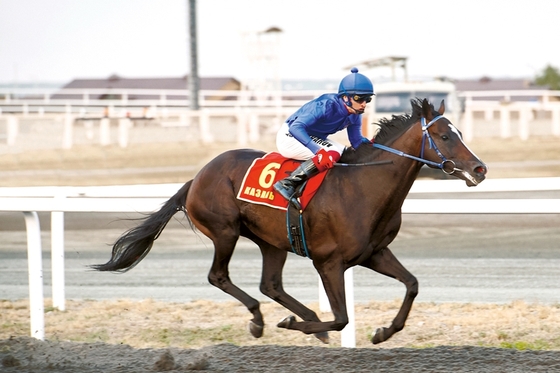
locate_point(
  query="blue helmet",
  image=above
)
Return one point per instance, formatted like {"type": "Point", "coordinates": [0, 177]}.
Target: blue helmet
{"type": "Point", "coordinates": [355, 84]}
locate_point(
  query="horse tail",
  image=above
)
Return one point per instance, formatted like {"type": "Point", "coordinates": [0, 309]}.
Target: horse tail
{"type": "Point", "coordinates": [136, 243]}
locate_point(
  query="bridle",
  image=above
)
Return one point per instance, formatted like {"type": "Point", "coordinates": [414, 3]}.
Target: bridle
{"type": "Point", "coordinates": [446, 165]}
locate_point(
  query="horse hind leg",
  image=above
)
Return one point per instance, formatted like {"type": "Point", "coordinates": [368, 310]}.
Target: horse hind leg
{"type": "Point", "coordinates": [212, 208]}
{"type": "Point", "coordinates": [219, 277]}
{"type": "Point", "coordinates": [271, 286]}
{"type": "Point", "coordinates": [386, 263]}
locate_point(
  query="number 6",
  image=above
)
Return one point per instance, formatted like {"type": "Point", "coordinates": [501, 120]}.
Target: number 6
{"type": "Point", "coordinates": [268, 174]}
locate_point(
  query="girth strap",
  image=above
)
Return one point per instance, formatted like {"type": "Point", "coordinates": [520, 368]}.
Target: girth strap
{"type": "Point", "coordinates": [296, 232]}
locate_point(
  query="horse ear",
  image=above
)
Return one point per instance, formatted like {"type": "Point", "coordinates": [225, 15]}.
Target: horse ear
{"type": "Point", "coordinates": [441, 109]}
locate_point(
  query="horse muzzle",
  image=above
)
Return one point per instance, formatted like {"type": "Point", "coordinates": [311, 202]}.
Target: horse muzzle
{"type": "Point", "coordinates": [473, 177]}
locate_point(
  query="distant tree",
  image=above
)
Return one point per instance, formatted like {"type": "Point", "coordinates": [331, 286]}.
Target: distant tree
{"type": "Point", "coordinates": [550, 76]}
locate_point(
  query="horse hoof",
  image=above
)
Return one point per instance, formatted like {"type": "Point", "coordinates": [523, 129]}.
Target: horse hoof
{"type": "Point", "coordinates": [379, 336]}
{"type": "Point", "coordinates": [285, 323]}
{"type": "Point", "coordinates": [255, 330]}
{"type": "Point", "coordinates": [323, 337]}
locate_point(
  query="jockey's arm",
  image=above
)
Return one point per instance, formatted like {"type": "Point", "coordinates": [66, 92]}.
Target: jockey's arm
{"type": "Point", "coordinates": [354, 131]}
{"type": "Point", "coordinates": [298, 129]}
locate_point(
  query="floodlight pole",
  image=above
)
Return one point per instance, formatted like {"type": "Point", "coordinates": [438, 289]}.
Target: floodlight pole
{"type": "Point", "coordinates": [194, 80]}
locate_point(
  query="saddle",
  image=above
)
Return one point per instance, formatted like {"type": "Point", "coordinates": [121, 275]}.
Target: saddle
{"type": "Point", "coordinates": [257, 183]}
{"type": "Point", "coordinates": [256, 187]}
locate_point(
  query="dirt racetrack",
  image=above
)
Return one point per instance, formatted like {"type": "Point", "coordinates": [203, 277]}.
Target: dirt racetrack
{"type": "Point", "coordinates": [148, 336]}
{"type": "Point", "coordinates": [99, 357]}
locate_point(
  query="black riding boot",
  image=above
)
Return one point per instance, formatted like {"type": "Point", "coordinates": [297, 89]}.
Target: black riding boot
{"type": "Point", "coordinates": [287, 187]}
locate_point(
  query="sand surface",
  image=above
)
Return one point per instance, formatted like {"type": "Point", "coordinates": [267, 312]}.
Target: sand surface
{"type": "Point", "coordinates": [146, 336]}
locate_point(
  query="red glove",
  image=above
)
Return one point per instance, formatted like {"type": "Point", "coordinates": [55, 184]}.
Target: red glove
{"type": "Point", "coordinates": [323, 160]}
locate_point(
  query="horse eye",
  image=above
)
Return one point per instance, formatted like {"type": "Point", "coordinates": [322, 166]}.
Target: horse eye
{"type": "Point", "coordinates": [445, 137]}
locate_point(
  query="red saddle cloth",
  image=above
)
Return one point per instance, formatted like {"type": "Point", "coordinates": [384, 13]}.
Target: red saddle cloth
{"type": "Point", "coordinates": [264, 172]}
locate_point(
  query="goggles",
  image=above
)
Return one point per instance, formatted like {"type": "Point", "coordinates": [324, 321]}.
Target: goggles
{"type": "Point", "coordinates": [361, 98]}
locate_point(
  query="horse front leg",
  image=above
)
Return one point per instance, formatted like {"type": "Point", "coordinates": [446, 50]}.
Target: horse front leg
{"type": "Point", "coordinates": [386, 263]}
{"type": "Point", "coordinates": [332, 276]}
{"type": "Point", "coordinates": [271, 286]}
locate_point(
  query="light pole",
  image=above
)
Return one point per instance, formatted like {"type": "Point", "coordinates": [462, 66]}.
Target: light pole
{"type": "Point", "coordinates": [193, 79]}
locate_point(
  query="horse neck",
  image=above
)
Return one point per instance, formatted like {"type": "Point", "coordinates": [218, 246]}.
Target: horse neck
{"type": "Point", "coordinates": [410, 142]}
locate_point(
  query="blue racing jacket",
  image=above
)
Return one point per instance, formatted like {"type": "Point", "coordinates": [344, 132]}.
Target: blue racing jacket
{"type": "Point", "coordinates": [323, 116]}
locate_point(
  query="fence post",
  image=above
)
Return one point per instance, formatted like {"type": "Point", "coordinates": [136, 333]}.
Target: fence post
{"type": "Point", "coordinates": [68, 132]}
{"type": "Point", "coordinates": [35, 268]}
{"type": "Point", "coordinates": [524, 123]}
{"type": "Point", "coordinates": [12, 129]}
{"type": "Point", "coordinates": [241, 117]}
{"type": "Point", "coordinates": [105, 131]}
{"type": "Point", "coordinates": [57, 258]}
{"type": "Point", "coordinates": [505, 130]}
{"type": "Point", "coordinates": [124, 125]}
{"type": "Point", "coordinates": [254, 128]}
{"type": "Point", "coordinates": [556, 121]}
{"type": "Point", "coordinates": [204, 123]}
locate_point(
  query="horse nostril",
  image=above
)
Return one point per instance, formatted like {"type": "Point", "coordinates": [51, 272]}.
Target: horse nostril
{"type": "Point", "coordinates": [480, 170]}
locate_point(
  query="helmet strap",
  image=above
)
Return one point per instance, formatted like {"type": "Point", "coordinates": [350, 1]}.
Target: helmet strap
{"type": "Point", "coordinates": [348, 103]}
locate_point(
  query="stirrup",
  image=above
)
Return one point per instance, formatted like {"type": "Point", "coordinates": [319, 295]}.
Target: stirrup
{"type": "Point", "coordinates": [291, 198]}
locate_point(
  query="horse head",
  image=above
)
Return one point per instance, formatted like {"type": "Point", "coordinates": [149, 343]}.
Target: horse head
{"type": "Point", "coordinates": [443, 146]}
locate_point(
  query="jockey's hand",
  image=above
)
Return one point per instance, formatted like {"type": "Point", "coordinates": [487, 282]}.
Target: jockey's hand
{"type": "Point", "coordinates": [323, 160]}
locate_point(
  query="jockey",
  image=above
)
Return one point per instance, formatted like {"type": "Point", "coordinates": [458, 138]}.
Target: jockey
{"type": "Point", "coordinates": [304, 134]}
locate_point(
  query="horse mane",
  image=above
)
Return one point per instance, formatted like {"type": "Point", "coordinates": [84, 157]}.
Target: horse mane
{"type": "Point", "coordinates": [390, 129]}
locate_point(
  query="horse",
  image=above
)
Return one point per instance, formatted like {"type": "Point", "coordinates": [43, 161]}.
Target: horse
{"type": "Point", "coordinates": [351, 220]}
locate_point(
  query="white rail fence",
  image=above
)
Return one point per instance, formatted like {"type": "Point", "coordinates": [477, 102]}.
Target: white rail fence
{"type": "Point", "coordinates": [501, 114]}
{"type": "Point", "coordinates": [529, 112]}
{"type": "Point", "coordinates": [148, 198]}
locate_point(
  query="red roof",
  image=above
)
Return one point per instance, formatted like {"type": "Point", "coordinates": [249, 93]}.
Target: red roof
{"type": "Point", "coordinates": [116, 82]}
{"type": "Point", "coordinates": [490, 84]}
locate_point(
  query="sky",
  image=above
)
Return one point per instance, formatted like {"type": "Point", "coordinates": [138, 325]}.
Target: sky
{"type": "Point", "coordinates": [61, 40]}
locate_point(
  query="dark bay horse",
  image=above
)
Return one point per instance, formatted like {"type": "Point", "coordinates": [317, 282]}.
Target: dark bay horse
{"type": "Point", "coordinates": [351, 220]}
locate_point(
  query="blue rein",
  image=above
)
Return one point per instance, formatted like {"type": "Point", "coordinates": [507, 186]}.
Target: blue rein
{"type": "Point", "coordinates": [425, 135]}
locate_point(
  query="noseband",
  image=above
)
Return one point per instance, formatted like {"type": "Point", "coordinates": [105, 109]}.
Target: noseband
{"type": "Point", "coordinates": [446, 165]}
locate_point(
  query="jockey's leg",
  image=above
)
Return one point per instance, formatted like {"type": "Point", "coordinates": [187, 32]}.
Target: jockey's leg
{"type": "Point", "coordinates": [288, 186]}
